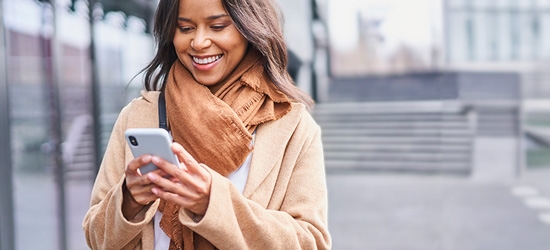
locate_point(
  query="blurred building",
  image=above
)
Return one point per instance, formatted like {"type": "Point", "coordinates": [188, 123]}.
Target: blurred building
{"type": "Point", "coordinates": [385, 37]}
{"type": "Point", "coordinates": [306, 35]}
{"type": "Point", "coordinates": [510, 36]}
{"type": "Point", "coordinates": [447, 35]}
{"type": "Point", "coordinates": [502, 35]}
{"type": "Point", "coordinates": [487, 58]}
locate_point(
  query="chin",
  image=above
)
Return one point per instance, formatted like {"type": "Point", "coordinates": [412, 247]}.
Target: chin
{"type": "Point", "coordinates": [207, 79]}
{"type": "Point", "coordinates": [207, 83]}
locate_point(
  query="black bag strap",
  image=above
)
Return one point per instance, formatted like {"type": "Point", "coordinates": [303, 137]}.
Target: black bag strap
{"type": "Point", "coordinates": [162, 112]}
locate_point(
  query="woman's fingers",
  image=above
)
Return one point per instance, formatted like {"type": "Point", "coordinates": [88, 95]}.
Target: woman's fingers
{"type": "Point", "coordinates": [172, 197]}
{"type": "Point", "coordinates": [136, 163]}
{"type": "Point", "coordinates": [140, 189]}
{"type": "Point", "coordinates": [143, 194]}
{"type": "Point", "coordinates": [195, 179]}
{"type": "Point", "coordinates": [182, 195]}
{"type": "Point", "coordinates": [192, 166]}
{"type": "Point", "coordinates": [188, 161]}
{"type": "Point", "coordinates": [139, 186]}
{"type": "Point", "coordinates": [188, 186]}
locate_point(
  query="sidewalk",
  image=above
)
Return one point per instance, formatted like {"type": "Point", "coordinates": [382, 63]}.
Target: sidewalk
{"type": "Point", "coordinates": [36, 212]}
{"type": "Point", "coordinates": [538, 178]}
{"type": "Point", "coordinates": [393, 211]}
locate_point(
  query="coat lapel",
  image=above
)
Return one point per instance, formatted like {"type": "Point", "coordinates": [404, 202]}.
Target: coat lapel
{"type": "Point", "coordinates": [269, 146]}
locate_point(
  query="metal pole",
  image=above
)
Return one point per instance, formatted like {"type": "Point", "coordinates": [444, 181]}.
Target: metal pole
{"type": "Point", "coordinates": [53, 70]}
{"type": "Point", "coordinates": [96, 109]}
{"type": "Point", "coordinates": [7, 227]}
{"type": "Point", "coordinates": [447, 33]}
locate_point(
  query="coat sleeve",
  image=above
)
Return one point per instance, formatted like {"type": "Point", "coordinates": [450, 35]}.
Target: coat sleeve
{"type": "Point", "coordinates": [295, 219]}
{"type": "Point", "coordinates": [104, 224]}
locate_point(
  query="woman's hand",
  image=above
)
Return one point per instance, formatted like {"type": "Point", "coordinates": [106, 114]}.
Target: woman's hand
{"type": "Point", "coordinates": [137, 188]}
{"type": "Point", "coordinates": [188, 186]}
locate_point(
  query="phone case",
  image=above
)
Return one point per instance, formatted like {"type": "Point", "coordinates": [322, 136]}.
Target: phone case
{"type": "Point", "coordinates": [153, 141]}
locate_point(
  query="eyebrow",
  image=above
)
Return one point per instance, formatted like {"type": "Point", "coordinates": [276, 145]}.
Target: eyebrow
{"type": "Point", "coordinates": [213, 17]}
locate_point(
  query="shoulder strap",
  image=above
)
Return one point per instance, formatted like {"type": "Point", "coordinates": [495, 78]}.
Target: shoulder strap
{"type": "Point", "coordinates": [162, 111]}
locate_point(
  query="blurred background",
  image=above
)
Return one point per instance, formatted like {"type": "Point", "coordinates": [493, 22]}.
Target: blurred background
{"type": "Point", "coordinates": [435, 115]}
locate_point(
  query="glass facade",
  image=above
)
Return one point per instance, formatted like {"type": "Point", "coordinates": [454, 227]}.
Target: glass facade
{"type": "Point", "coordinates": [48, 77]}
{"type": "Point", "coordinates": [497, 30]}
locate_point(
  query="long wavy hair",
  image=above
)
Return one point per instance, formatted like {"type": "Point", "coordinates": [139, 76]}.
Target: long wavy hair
{"type": "Point", "coordinates": [258, 21]}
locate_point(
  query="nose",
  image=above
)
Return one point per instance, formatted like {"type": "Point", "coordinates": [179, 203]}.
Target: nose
{"type": "Point", "coordinates": [200, 41]}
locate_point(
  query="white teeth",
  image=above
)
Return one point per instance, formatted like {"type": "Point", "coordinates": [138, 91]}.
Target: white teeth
{"type": "Point", "coordinates": [206, 60]}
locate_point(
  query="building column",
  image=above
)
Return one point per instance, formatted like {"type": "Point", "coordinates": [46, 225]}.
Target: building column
{"type": "Point", "coordinates": [7, 236]}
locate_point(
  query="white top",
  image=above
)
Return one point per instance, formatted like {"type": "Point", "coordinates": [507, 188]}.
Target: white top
{"type": "Point", "coordinates": [238, 178]}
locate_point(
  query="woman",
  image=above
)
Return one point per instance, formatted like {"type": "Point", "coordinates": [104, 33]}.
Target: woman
{"type": "Point", "coordinates": [252, 171]}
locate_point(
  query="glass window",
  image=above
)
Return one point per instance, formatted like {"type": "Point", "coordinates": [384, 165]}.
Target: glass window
{"type": "Point", "coordinates": [457, 4]}
{"type": "Point", "coordinates": [483, 4]}
{"type": "Point", "coordinates": [505, 4]}
{"type": "Point", "coordinates": [542, 4]}
{"type": "Point", "coordinates": [32, 63]}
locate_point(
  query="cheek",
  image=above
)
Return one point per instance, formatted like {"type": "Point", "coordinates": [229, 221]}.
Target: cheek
{"type": "Point", "coordinates": [233, 40]}
{"type": "Point", "coordinates": [240, 41]}
{"type": "Point", "coordinates": [180, 43]}
{"type": "Point", "coordinates": [243, 43]}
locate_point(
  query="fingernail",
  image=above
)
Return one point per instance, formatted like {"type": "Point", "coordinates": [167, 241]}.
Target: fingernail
{"type": "Point", "coordinates": [155, 191]}
{"type": "Point", "coordinates": [146, 158]}
{"type": "Point", "coordinates": [155, 159]}
{"type": "Point", "coordinates": [151, 177]}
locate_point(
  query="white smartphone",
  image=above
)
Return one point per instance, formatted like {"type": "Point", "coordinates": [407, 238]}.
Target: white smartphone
{"type": "Point", "coordinates": [153, 141]}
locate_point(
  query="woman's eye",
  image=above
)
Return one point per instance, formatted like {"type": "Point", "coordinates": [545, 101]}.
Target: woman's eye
{"type": "Point", "coordinates": [218, 27]}
{"type": "Point", "coordinates": [185, 29]}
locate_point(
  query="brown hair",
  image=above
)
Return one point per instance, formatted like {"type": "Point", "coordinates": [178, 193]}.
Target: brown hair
{"type": "Point", "coordinates": [259, 21]}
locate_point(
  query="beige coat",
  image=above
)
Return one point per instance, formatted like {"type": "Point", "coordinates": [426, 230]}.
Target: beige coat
{"type": "Point", "coordinates": [283, 205]}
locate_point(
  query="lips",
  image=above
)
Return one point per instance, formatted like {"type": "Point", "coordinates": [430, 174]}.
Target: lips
{"type": "Point", "coordinates": [206, 60]}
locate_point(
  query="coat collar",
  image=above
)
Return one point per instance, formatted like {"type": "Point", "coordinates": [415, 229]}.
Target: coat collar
{"type": "Point", "coordinates": [150, 96]}
{"type": "Point", "coordinates": [269, 147]}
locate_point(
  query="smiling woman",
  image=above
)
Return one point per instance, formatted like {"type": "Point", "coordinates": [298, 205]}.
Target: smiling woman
{"type": "Point", "coordinates": [207, 43]}
{"type": "Point", "coordinates": [252, 171]}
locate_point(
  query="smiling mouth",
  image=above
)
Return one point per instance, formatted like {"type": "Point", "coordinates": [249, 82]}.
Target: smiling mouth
{"type": "Point", "coordinates": [207, 60]}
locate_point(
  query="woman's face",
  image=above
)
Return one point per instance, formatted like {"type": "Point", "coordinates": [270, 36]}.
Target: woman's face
{"type": "Point", "coordinates": [206, 41]}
